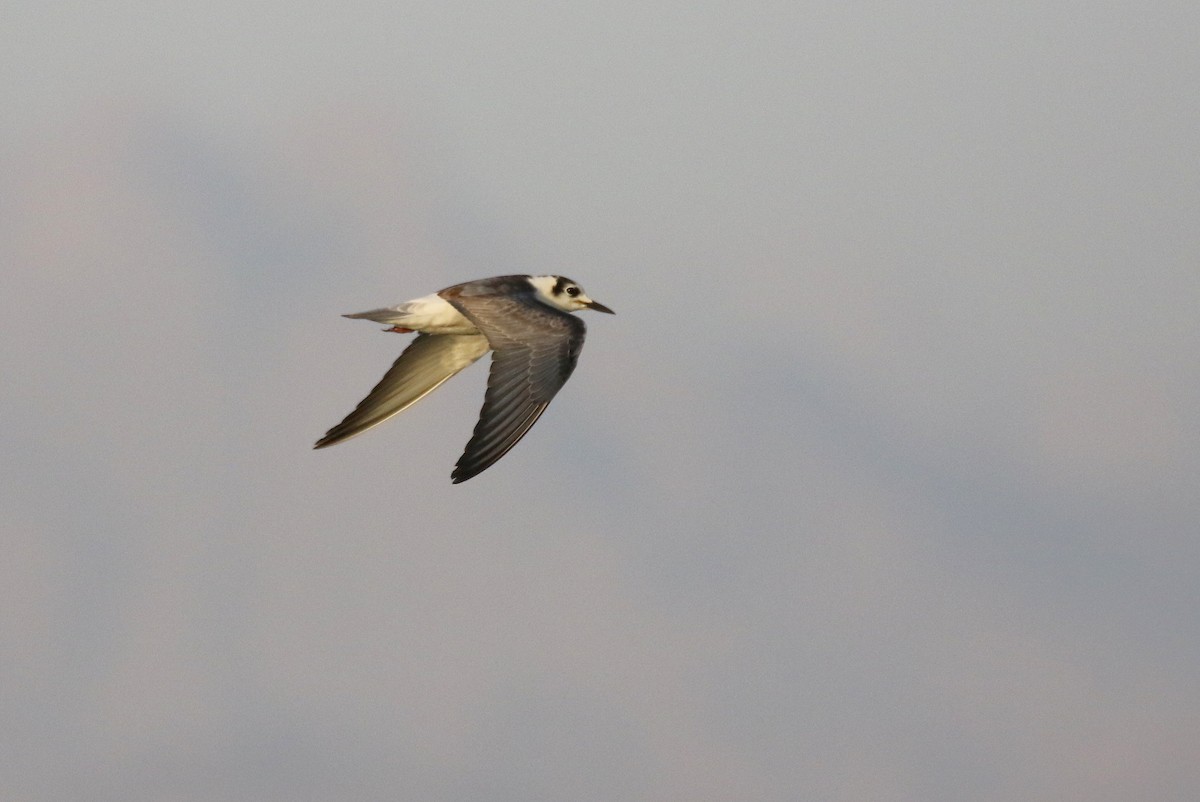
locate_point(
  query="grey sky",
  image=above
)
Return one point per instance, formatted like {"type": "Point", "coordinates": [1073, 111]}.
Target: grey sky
{"type": "Point", "coordinates": [880, 485]}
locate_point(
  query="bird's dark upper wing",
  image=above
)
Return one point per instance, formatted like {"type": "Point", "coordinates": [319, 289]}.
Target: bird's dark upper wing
{"type": "Point", "coordinates": [428, 361]}
{"type": "Point", "coordinates": [535, 348]}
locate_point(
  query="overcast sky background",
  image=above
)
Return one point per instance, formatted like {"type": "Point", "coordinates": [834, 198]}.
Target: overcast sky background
{"type": "Point", "coordinates": [881, 484]}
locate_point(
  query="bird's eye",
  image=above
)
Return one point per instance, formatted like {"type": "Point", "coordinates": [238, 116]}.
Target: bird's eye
{"type": "Point", "coordinates": [572, 291]}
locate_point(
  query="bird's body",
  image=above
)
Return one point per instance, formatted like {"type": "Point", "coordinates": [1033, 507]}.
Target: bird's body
{"type": "Point", "coordinates": [430, 314]}
{"type": "Point", "coordinates": [524, 320]}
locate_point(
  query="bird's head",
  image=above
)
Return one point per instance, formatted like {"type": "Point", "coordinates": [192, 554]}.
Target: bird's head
{"type": "Point", "coordinates": [564, 294]}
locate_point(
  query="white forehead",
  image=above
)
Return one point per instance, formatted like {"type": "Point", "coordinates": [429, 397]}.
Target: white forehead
{"type": "Point", "coordinates": [546, 284]}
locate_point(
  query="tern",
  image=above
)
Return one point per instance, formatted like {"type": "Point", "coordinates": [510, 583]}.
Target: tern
{"type": "Point", "coordinates": [524, 320]}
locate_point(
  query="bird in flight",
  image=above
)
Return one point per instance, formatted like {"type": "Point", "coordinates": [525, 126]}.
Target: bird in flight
{"type": "Point", "coordinates": [524, 320]}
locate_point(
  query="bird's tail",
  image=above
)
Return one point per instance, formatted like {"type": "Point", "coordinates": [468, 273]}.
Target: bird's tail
{"type": "Point", "coordinates": [391, 315]}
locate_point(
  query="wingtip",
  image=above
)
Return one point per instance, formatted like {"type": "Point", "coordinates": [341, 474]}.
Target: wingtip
{"type": "Point", "coordinates": [328, 440]}
{"type": "Point", "coordinates": [462, 473]}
